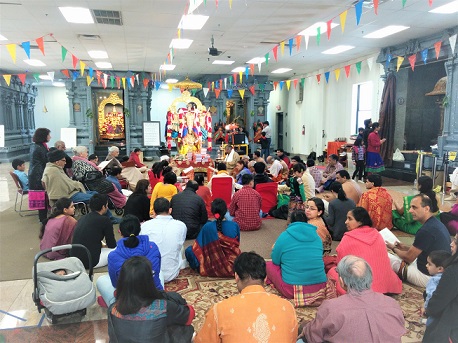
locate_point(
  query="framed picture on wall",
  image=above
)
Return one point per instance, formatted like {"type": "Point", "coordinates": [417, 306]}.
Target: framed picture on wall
{"type": "Point", "coordinates": [260, 111]}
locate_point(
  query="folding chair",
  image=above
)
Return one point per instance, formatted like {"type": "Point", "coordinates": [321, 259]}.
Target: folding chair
{"type": "Point", "coordinates": [20, 192]}
{"type": "Point", "coordinates": [268, 192]}
{"type": "Point", "coordinates": [222, 188]}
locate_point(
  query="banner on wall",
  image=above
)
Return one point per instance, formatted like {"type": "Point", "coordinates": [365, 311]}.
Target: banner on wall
{"type": "Point", "coordinates": [68, 135]}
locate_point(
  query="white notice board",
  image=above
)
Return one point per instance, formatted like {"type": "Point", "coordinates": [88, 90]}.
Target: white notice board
{"type": "Point", "coordinates": [68, 135]}
{"type": "Point", "coordinates": [151, 133]}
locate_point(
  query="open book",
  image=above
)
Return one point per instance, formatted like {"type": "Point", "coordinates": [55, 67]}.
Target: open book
{"type": "Point", "coordinates": [102, 165]}
{"type": "Point", "coordinates": [388, 236]}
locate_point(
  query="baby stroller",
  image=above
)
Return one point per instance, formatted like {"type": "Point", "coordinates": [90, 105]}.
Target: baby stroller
{"type": "Point", "coordinates": [62, 287]}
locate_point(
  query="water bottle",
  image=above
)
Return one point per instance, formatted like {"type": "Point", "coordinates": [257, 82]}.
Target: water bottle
{"type": "Point", "coordinates": [415, 184]}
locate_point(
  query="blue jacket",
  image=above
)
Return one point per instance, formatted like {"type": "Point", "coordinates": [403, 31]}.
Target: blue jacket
{"type": "Point", "coordinates": [299, 253]}
{"type": "Point", "coordinates": [144, 248]}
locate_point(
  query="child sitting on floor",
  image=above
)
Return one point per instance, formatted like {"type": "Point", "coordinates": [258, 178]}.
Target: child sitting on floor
{"type": "Point", "coordinates": [19, 170]}
{"type": "Point", "coordinates": [435, 265]}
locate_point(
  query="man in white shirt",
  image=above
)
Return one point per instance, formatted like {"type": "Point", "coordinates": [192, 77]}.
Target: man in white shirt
{"type": "Point", "coordinates": [275, 168]}
{"type": "Point", "coordinates": [268, 131]}
{"type": "Point", "coordinates": [309, 183]}
{"type": "Point", "coordinates": [169, 235]}
{"type": "Point", "coordinates": [231, 158]}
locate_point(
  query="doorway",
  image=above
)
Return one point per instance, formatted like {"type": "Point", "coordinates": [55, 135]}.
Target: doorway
{"type": "Point", "coordinates": [279, 130]}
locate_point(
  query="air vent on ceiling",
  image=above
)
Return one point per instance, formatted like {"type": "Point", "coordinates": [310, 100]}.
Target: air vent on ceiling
{"type": "Point", "coordinates": [107, 17]}
{"type": "Point", "coordinates": [89, 37]}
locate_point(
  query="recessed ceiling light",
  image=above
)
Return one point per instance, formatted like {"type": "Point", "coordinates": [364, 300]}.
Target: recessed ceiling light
{"type": "Point", "coordinates": [3, 38]}
{"type": "Point", "coordinates": [338, 49]}
{"type": "Point", "coordinates": [257, 60]}
{"type": "Point", "coordinates": [180, 43]}
{"type": "Point", "coordinates": [44, 77]}
{"type": "Point", "coordinates": [227, 62]}
{"type": "Point", "coordinates": [192, 22]}
{"type": "Point", "coordinates": [281, 70]}
{"type": "Point", "coordinates": [77, 15]}
{"type": "Point", "coordinates": [238, 70]}
{"type": "Point", "coordinates": [35, 63]}
{"type": "Point", "coordinates": [167, 66]}
{"type": "Point", "coordinates": [386, 31]}
{"type": "Point", "coordinates": [312, 30]}
{"type": "Point", "coordinates": [103, 65]}
{"type": "Point", "coordinates": [451, 7]}
{"type": "Point", "coordinates": [171, 81]}
{"type": "Point", "coordinates": [98, 54]}
{"type": "Point", "coordinates": [58, 84]}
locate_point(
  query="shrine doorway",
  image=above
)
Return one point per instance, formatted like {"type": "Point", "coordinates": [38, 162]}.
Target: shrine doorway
{"type": "Point", "coordinates": [110, 118]}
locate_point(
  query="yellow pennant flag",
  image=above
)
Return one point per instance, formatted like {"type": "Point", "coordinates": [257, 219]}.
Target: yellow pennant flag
{"type": "Point", "coordinates": [123, 82]}
{"type": "Point", "coordinates": [82, 66]}
{"type": "Point", "coordinates": [230, 4]}
{"type": "Point", "coordinates": [179, 33]}
{"type": "Point", "coordinates": [343, 19]}
{"type": "Point", "coordinates": [213, 86]}
{"type": "Point", "coordinates": [337, 72]}
{"type": "Point", "coordinates": [12, 50]}
{"type": "Point", "coordinates": [7, 79]}
{"type": "Point", "coordinates": [288, 84]}
{"type": "Point", "coordinates": [241, 75]}
{"type": "Point", "coordinates": [241, 92]}
{"type": "Point", "coordinates": [282, 47]}
{"type": "Point", "coordinates": [170, 86]}
{"type": "Point", "coordinates": [89, 80]}
{"type": "Point", "coordinates": [399, 62]}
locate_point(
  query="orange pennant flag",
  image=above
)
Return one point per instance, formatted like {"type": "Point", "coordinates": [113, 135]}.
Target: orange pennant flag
{"type": "Point", "coordinates": [118, 82]}
{"type": "Point", "coordinates": [251, 88]}
{"type": "Point", "coordinates": [343, 20]}
{"type": "Point", "coordinates": [412, 60]}
{"type": "Point", "coordinates": [275, 85]}
{"type": "Point", "coordinates": [337, 73]}
{"type": "Point", "coordinates": [437, 47]}
{"type": "Point", "coordinates": [399, 62]}
{"type": "Point", "coordinates": [82, 66]}
{"type": "Point", "coordinates": [288, 84]}
{"type": "Point", "coordinates": [74, 61]}
{"type": "Point", "coordinates": [347, 70]}
{"type": "Point", "coordinates": [376, 7]}
{"type": "Point", "coordinates": [282, 48]}
{"type": "Point", "coordinates": [22, 78]}
{"type": "Point", "coordinates": [235, 78]}
{"type": "Point", "coordinates": [41, 45]}
{"type": "Point", "coordinates": [275, 51]}
{"type": "Point", "coordinates": [251, 69]}
{"type": "Point", "coordinates": [329, 28]}
{"type": "Point", "coordinates": [7, 79]}
{"type": "Point", "coordinates": [145, 83]}
{"type": "Point", "coordinates": [241, 76]}
{"type": "Point", "coordinates": [241, 92]}
{"type": "Point", "coordinates": [12, 50]}
{"type": "Point", "coordinates": [295, 83]}
{"type": "Point", "coordinates": [298, 42]}
{"type": "Point", "coordinates": [217, 92]}
{"type": "Point", "coordinates": [65, 72]}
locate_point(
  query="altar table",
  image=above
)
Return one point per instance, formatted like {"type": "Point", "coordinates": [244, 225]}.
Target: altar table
{"type": "Point", "coordinates": [333, 147]}
{"type": "Point", "coordinates": [199, 167]}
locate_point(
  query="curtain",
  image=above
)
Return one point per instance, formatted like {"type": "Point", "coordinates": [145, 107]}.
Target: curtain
{"type": "Point", "coordinates": [387, 119]}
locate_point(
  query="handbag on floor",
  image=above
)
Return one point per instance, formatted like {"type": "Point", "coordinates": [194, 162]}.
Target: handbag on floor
{"type": "Point", "coordinates": [37, 200]}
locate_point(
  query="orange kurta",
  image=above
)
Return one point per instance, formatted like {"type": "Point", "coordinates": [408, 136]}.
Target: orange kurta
{"type": "Point", "coordinates": [378, 202]}
{"type": "Point", "coordinates": [252, 316]}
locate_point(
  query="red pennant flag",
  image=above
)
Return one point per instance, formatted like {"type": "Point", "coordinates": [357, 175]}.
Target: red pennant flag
{"type": "Point", "coordinates": [318, 78]}
{"type": "Point", "coordinates": [99, 74]}
{"type": "Point", "coordinates": [295, 83]}
{"type": "Point", "coordinates": [65, 72]}
{"type": "Point", "coordinates": [118, 82]}
{"type": "Point", "coordinates": [376, 7]}
{"type": "Point", "coordinates": [329, 28]}
{"type": "Point", "coordinates": [40, 45]}
{"type": "Point", "coordinates": [251, 69]}
{"type": "Point", "coordinates": [275, 85]}
{"type": "Point", "coordinates": [298, 42]}
{"type": "Point", "coordinates": [412, 60]}
{"type": "Point", "coordinates": [235, 77]}
{"type": "Point", "coordinates": [208, 85]}
{"type": "Point", "coordinates": [347, 70]}
{"type": "Point", "coordinates": [22, 78]}
{"type": "Point", "coordinates": [145, 83]}
{"type": "Point", "coordinates": [275, 51]}
{"type": "Point", "coordinates": [217, 92]}
{"type": "Point", "coordinates": [251, 88]}
{"type": "Point", "coordinates": [437, 47]}
{"type": "Point", "coordinates": [430, 2]}
{"type": "Point", "coordinates": [74, 61]}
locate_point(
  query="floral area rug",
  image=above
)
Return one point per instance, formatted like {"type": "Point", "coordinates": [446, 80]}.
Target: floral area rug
{"type": "Point", "coordinates": [202, 292]}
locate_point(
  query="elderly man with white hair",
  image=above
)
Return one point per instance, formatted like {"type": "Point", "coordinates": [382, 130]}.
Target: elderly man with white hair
{"type": "Point", "coordinates": [361, 315]}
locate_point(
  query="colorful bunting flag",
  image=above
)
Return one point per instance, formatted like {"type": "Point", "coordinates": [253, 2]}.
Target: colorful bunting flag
{"type": "Point", "coordinates": [290, 42]}
{"type": "Point", "coordinates": [298, 43]}
{"type": "Point", "coordinates": [74, 61]}
{"type": "Point", "coordinates": [123, 82]}
{"type": "Point", "coordinates": [282, 48]}
{"type": "Point", "coordinates": [217, 92]}
{"type": "Point", "coordinates": [347, 70]}
{"type": "Point", "coordinates": [65, 72]}
{"type": "Point", "coordinates": [7, 78]}
{"type": "Point", "coordinates": [288, 84]}
{"type": "Point", "coordinates": [437, 47]}
{"type": "Point", "coordinates": [242, 93]}
{"type": "Point", "coordinates": [251, 70]}
{"type": "Point", "coordinates": [412, 60]}
{"type": "Point", "coordinates": [267, 58]}
{"type": "Point", "coordinates": [251, 88]}
{"type": "Point", "coordinates": [230, 4]}
{"type": "Point", "coordinates": [205, 90]}
{"type": "Point", "coordinates": [51, 75]}
{"type": "Point", "coordinates": [88, 80]}
{"type": "Point", "coordinates": [22, 78]}
{"type": "Point", "coordinates": [235, 78]}
{"type": "Point", "coordinates": [370, 62]}
{"type": "Point", "coordinates": [105, 81]}
{"type": "Point", "coordinates": [318, 35]}
{"type": "Point", "coordinates": [337, 74]}
{"type": "Point", "coordinates": [376, 7]}
{"type": "Point", "coordinates": [275, 85]}
{"type": "Point", "coordinates": [112, 80]}
{"type": "Point", "coordinates": [74, 75]}
{"type": "Point", "coordinates": [388, 60]}
{"type": "Point", "coordinates": [225, 83]}
{"type": "Point", "coordinates": [275, 52]}
{"type": "Point", "coordinates": [326, 75]}
{"type": "Point", "coordinates": [359, 11]}
{"type": "Point", "coordinates": [295, 83]}
{"type": "Point", "coordinates": [403, 3]}
{"type": "Point", "coordinates": [306, 39]}
{"type": "Point", "coordinates": [430, 2]}
{"type": "Point", "coordinates": [229, 93]}
{"type": "Point", "coordinates": [36, 77]}
{"type": "Point", "coordinates": [329, 28]}
{"type": "Point", "coordinates": [343, 20]}
{"type": "Point", "coordinates": [358, 66]}
{"type": "Point", "coordinates": [424, 55]}
{"type": "Point", "coordinates": [12, 50]}
{"type": "Point", "coordinates": [63, 53]}
{"type": "Point", "coordinates": [82, 66]}
{"type": "Point", "coordinates": [281, 84]}
{"type": "Point", "coordinates": [26, 47]}
{"type": "Point", "coordinates": [318, 77]}
{"type": "Point", "coordinates": [240, 76]}
{"type": "Point", "coordinates": [145, 83]}
{"type": "Point", "coordinates": [247, 72]}
{"type": "Point", "coordinates": [303, 81]}
{"type": "Point", "coordinates": [452, 41]}
{"type": "Point", "coordinates": [40, 45]}
{"type": "Point", "coordinates": [262, 86]}
{"type": "Point", "coordinates": [399, 62]}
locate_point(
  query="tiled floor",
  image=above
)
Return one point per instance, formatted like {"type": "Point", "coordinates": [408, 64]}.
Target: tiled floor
{"type": "Point", "coordinates": [19, 318]}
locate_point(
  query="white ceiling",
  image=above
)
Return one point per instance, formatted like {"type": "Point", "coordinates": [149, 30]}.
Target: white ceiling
{"type": "Point", "coordinates": [250, 29]}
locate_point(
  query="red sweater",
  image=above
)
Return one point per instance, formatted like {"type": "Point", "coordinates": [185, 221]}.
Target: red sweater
{"type": "Point", "coordinates": [373, 142]}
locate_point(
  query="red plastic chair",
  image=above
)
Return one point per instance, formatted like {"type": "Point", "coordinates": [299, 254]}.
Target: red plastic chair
{"type": "Point", "coordinates": [222, 188]}
{"type": "Point", "coordinates": [268, 193]}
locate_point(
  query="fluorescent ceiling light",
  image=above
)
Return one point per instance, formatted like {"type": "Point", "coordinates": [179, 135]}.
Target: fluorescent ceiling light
{"type": "Point", "coordinates": [3, 38]}
{"type": "Point", "coordinates": [312, 30]}
{"type": "Point", "coordinates": [58, 84]}
{"type": "Point", "coordinates": [281, 70]}
{"type": "Point", "coordinates": [35, 63]}
{"type": "Point", "coordinates": [44, 77]}
{"type": "Point", "coordinates": [192, 22]}
{"type": "Point", "coordinates": [181, 43]}
{"type": "Point", "coordinates": [98, 54]}
{"type": "Point", "coordinates": [77, 15]}
{"type": "Point", "coordinates": [238, 70]}
{"type": "Point", "coordinates": [257, 60]}
{"type": "Point", "coordinates": [171, 81]}
{"type": "Point", "coordinates": [338, 49]}
{"type": "Point", "coordinates": [227, 62]}
{"type": "Point", "coordinates": [164, 86]}
{"type": "Point", "coordinates": [103, 65]}
{"type": "Point", "coordinates": [193, 5]}
{"type": "Point", "coordinates": [451, 7]}
{"type": "Point", "coordinates": [386, 31]}
{"type": "Point", "coordinates": [167, 66]}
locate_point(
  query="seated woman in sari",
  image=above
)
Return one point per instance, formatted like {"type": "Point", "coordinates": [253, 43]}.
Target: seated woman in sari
{"type": "Point", "coordinates": [314, 210]}
{"type": "Point", "coordinates": [156, 174]}
{"type": "Point", "coordinates": [402, 218]}
{"type": "Point", "coordinates": [217, 245]}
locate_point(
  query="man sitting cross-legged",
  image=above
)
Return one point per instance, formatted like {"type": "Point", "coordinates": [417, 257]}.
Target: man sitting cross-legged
{"type": "Point", "coordinates": [350, 186]}
{"type": "Point", "coordinates": [246, 206]}
{"type": "Point", "coordinates": [169, 235]}
{"type": "Point", "coordinates": [252, 316]}
{"type": "Point", "coordinates": [361, 315]}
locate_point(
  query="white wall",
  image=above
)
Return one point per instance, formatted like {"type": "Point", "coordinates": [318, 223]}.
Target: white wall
{"type": "Point", "coordinates": [325, 106]}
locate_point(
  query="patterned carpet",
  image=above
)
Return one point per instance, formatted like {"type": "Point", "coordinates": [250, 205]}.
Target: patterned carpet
{"type": "Point", "coordinates": [203, 292]}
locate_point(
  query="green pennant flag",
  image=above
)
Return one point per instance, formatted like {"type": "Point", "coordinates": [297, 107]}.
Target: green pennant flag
{"type": "Point", "coordinates": [205, 2]}
{"type": "Point", "coordinates": [262, 86]}
{"type": "Point", "coordinates": [303, 82]}
{"type": "Point", "coordinates": [403, 3]}
{"type": "Point", "coordinates": [230, 80]}
{"type": "Point", "coordinates": [318, 35]}
{"type": "Point", "coordinates": [36, 77]}
{"type": "Point", "coordinates": [358, 66]}
{"type": "Point", "coordinates": [193, 91]}
{"type": "Point", "coordinates": [64, 53]}
{"type": "Point", "coordinates": [267, 59]}
{"type": "Point", "coordinates": [112, 81]}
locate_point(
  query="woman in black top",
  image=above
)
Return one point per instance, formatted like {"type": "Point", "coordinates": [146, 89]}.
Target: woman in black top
{"type": "Point", "coordinates": [138, 203]}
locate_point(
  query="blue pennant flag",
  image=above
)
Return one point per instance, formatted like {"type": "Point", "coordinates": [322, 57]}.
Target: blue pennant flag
{"type": "Point", "coordinates": [26, 47]}
{"type": "Point", "coordinates": [290, 46]}
{"type": "Point", "coordinates": [281, 84]}
{"type": "Point", "coordinates": [229, 93]}
{"type": "Point", "coordinates": [424, 55]}
{"type": "Point", "coordinates": [359, 11]}
{"type": "Point", "coordinates": [75, 74]}
{"type": "Point", "coordinates": [388, 60]}
{"type": "Point", "coordinates": [91, 72]}
{"type": "Point", "coordinates": [157, 84]}
{"type": "Point", "coordinates": [326, 75]}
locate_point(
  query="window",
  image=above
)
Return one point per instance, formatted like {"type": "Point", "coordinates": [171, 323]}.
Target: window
{"type": "Point", "coordinates": [361, 105]}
